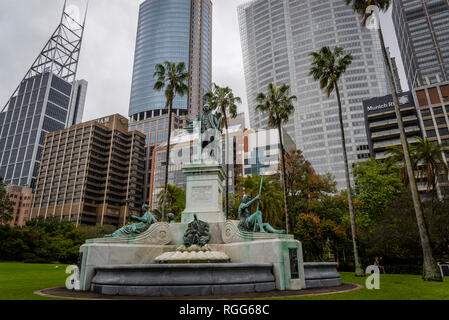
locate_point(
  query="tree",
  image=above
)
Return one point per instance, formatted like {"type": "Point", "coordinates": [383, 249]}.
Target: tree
{"type": "Point", "coordinates": [224, 100]}
{"type": "Point", "coordinates": [47, 240]}
{"type": "Point", "coordinates": [172, 77]}
{"type": "Point", "coordinates": [395, 235]}
{"type": "Point", "coordinates": [270, 202]}
{"type": "Point", "coordinates": [370, 9]}
{"type": "Point", "coordinates": [327, 68]}
{"type": "Point", "coordinates": [318, 235]}
{"type": "Point", "coordinates": [376, 184]}
{"type": "Point", "coordinates": [305, 187]}
{"type": "Point", "coordinates": [429, 155]}
{"type": "Point", "coordinates": [396, 157]}
{"type": "Point", "coordinates": [176, 200]}
{"type": "Point", "coordinates": [279, 106]}
{"type": "Point", "coordinates": [6, 205]}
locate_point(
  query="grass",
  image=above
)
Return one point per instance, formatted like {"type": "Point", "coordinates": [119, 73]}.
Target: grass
{"type": "Point", "coordinates": [18, 281]}
{"type": "Point", "coordinates": [392, 287]}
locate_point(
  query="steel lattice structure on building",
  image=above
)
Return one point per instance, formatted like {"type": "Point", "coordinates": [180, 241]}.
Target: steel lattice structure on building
{"type": "Point", "coordinates": [60, 54]}
{"type": "Point", "coordinates": [47, 99]}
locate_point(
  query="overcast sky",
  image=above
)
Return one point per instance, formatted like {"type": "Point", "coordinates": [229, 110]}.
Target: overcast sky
{"type": "Point", "coordinates": [107, 53]}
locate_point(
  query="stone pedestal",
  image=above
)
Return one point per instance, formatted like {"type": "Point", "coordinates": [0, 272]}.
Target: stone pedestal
{"type": "Point", "coordinates": [204, 194]}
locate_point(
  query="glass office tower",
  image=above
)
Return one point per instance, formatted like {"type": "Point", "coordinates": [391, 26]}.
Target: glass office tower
{"type": "Point", "coordinates": [422, 29]}
{"type": "Point", "coordinates": [49, 98]}
{"type": "Point", "coordinates": [277, 38]}
{"type": "Point", "coordinates": [42, 105]}
{"type": "Point", "coordinates": [175, 31]}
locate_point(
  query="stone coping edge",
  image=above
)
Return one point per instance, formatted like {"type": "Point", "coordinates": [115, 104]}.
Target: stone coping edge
{"type": "Point", "coordinates": [184, 266]}
{"type": "Point", "coordinates": [320, 264]}
{"type": "Point", "coordinates": [353, 287]}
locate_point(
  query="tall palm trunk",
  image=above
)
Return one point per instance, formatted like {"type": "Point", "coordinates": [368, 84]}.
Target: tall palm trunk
{"type": "Point", "coordinates": [167, 158]}
{"type": "Point", "coordinates": [355, 241]}
{"type": "Point", "coordinates": [284, 181]}
{"type": "Point", "coordinates": [431, 271]}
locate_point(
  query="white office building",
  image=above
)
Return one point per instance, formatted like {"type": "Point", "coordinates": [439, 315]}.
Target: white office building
{"type": "Point", "coordinates": [277, 38]}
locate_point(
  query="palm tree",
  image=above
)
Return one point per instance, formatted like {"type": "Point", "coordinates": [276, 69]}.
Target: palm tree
{"type": "Point", "coordinates": [223, 99]}
{"type": "Point", "coordinates": [279, 106]}
{"type": "Point", "coordinates": [327, 67]}
{"type": "Point", "coordinates": [396, 156]}
{"type": "Point", "coordinates": [175, 200]}
{"type": "Point", "coordinates": [431, 164]}
{"type": "Point", "coordinates": [172, 77]}
{"type": "Point", "coordinates": [367, 8]}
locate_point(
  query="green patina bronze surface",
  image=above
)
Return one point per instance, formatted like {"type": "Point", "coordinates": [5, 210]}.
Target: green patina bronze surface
{"type": "Point", "coordinates": [135, 229]}
{"type": "Point", "coordinates": [209, 134]}
{"type": "Point", "coordinates": [197, 233]}
{"type": "Point", "coordinates": [251, 222]}
{"type": "Point", "coordinates": [208, 120]}
{"type": "Point", "coordinates": [171, 218]}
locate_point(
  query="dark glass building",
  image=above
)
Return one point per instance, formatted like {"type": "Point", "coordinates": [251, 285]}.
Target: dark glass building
{"type": "Point", "coordinates": [422, 29]}
{"type": "Point", "coordinates": [49, 98]}
{"type": "Point", "coordinates": [43, 105]}
{"type": "Point", "coordinates": [382, 128]}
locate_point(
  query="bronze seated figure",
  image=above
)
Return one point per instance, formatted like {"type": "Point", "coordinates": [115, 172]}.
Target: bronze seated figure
{"type": "Point", "coordinates": [134, 229]}
{"type": "Point", "coordinates": [251, 222]}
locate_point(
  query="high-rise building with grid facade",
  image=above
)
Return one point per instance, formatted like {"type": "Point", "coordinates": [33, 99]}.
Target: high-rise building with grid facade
{"type": "Point", "coordinates": [395, 71]}
{"type": "Point", "coordinates": [22, 198]}
{"type": "Point", "coordinates": [277, 38]}
{"type": "Point", "coordinates": [91, 173]}
{"type": "Point", "coordinates": [49, 98]}
{"type": "Point", "coordinates": [422, 30]}
{"type": "Point", "coordinates": [432, 102]}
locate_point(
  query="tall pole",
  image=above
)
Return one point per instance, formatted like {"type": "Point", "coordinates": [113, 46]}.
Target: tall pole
{"type": "Point", "coordinates": [284, 179]}
{"type": "Point", "coordinates": [355, 240]}
{"type": "Point", "coordinates": [431, 271]}
{"type": "Point", "coordinates": [258, 202]}
{"type": "Point", "coordinates": [167, 158]}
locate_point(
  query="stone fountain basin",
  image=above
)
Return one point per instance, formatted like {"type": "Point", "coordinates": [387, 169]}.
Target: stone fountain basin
{"type": "Point", "coordinates": [188, 279]}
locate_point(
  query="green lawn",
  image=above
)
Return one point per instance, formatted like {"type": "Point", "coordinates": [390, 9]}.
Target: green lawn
{"type": "Point", "coordinates": [392, 287]}
{"type": "Point", "coordinates": [18, 281]}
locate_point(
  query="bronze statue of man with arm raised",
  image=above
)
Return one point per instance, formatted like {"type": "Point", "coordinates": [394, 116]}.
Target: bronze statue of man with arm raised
{"type": "Point", "coordinates": [250, 222]}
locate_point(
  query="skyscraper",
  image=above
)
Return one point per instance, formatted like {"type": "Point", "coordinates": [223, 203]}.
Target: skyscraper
{"type": "Point", "coordinates": [432, 102]}
{"type": "Point", "coordinates": [395, 70]}
{"type": "Point", "coordinates": [91, 173]}
{"type": "Point", "coordinates": [422, 29]}
{"type": "Point", "coordinates": [277, 39]}
{"type": "Point", "coordinates": [48, 98]}
{"type": "Point", "coordinates": [175, 31]}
